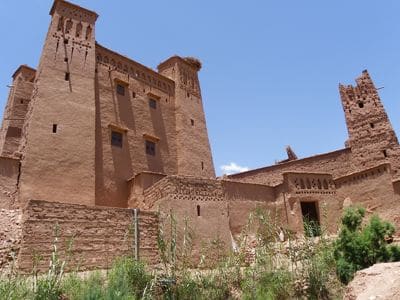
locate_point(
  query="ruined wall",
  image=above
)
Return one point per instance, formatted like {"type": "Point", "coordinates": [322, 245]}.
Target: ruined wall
{"type": "Point", "coordinates": [98, 234]}
{"type": "Point", "coordinates": [373, 189]}
{"type": "Point", "coordinates": [337, 163]}
{"type": "Point", "coordinates": [128, 112]}
{"type": "Point", "coordinates": [10, 236]}
{"type": "Point", "coordinates": [9, 172]}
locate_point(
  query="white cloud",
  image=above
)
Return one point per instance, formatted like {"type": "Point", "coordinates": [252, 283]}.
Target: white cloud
{"type": "Point", "coordinates": [233, 168]}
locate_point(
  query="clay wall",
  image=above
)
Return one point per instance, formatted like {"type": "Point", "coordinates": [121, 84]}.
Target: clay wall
{"type": "Point", "coordinates": [244, 199]}
{"type": "Point", "coordinates": [337, 163]}
{"type": "Point", "coordinates": [139, 184]}
{"type": "Point", "coordinates": [58, 138]}
{"type": "Point", "coordinates": [319, 188]}
{"type": "Point", "coordinates": [132, 116]}
{"type": "Point", "coordinates": [373, 189]}
{"type": "Point", "coordinates": [371, 135]}
{"type": "Point", "coordinates": [200, 202]}
{"type": "Point", "coordinates": [15, 111]}
{"type": "Point", "coordinates": [9, 172]}
{"type": "Point", "coordinates": [194, 153]}
{"type": "Point", "coordinates": [98, 234]}
{"type": "Point", "coordinates": [10, 236]}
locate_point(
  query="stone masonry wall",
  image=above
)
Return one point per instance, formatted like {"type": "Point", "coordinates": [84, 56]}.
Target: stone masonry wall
{"type": "Point", "coordinates": [98, 234]}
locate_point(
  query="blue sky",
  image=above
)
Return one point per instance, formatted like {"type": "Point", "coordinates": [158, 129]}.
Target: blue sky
{"type": "Point", "coordinates": [270, 68]}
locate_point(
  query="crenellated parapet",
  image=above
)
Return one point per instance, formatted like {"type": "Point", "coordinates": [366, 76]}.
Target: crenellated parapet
{"type": "Point", "coordinates": [132, 69]}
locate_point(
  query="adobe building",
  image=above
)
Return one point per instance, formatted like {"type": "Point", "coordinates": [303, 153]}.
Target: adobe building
{"type": "Point", "coordinates": [95, 142]}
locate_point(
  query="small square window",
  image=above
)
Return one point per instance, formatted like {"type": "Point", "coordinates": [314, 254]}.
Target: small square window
{"type": "Point", "coordinates": [116, 139]}
{"type": "Point", "coordinates": [153, 103]}
{"type": "Point", "coordinates": [120, 90]}
{"type": "Point", "coordinates": [150, 148]}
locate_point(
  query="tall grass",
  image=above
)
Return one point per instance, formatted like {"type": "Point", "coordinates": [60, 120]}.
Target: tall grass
{"type": "Point", "coordinates": [261, 267]}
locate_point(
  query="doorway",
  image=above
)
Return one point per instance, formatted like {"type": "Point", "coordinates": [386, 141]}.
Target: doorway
{"type": "Point", "coordinates": [311, 223]}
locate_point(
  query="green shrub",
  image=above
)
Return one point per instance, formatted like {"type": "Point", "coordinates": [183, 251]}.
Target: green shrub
{"type": "Point", "coordinates": [276, 284]}
{"type": "Point", "coordinates": [91, 288]}
{"type": "Point", "coordinates": [127, 279]}
{"type": "Point", "coordinates": [359, 247]}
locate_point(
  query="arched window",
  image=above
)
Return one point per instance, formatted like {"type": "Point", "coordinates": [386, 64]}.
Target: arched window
{"type": "Point", "coordinates": [302, 184]}
{"type": "Point", "coordinates": [88, 32]}
{"type": "Point", "coordinates": [99, 58]}
{"type": "Point", "coordinates": [308, 183]}
{"type": "Point", "coordinates": [106, 59]}
{"type": "Point", "coordinates": [325, 184]}
{"type": "Point", "coordinates": [198, 210]}
{"type": "Point", "coordinates": [78, 32]}
{"type": "Point", "coordinates": [68, 26]}
{"type": "Point", "coordinates": [319, 184]}
{"type": "Point", "coordinates": [60, 24]}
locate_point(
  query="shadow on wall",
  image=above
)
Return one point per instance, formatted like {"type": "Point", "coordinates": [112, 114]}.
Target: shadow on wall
{"type": "Point", "coordinates": [155, 161]}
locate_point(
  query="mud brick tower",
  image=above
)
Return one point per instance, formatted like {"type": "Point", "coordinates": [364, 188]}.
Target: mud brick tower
{"type": "Point", "coordinates": [60, 127]}
{"type": "Point", "coordinates": [371, 136]}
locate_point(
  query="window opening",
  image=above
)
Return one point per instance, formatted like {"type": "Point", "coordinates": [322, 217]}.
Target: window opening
{"type": "Point", "coordinates": [54, 128]}
{"type": "Point", "coordinates": [150, 148]}
{"type": "Point", "coordinates": [120, 90]}
{"type": "Point", "coordinates": [153, 103]}
{"type": "Point", "coordinates": [116, 139]}
{"type": "Point", "coordinates": [198, 210]}
{"type": "Point", "coordinates": [66, 76]}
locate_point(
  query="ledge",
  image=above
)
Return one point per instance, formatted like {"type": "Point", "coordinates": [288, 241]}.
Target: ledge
{"type": "Point", "coordinates": [150, 137]}
{"type": "Point", "coordinates": [118, 127]}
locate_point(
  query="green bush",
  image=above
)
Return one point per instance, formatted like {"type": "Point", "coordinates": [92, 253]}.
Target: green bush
{"type": "Point", "coordinates": [359, 247]}
{"type": "Point", "coordinates": [91, 288]}
{"type": "Point", "coordinates": [127, 279]}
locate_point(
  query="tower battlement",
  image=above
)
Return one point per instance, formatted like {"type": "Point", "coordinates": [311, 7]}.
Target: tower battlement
{"type": "Point", "coordinates": [371, 136]}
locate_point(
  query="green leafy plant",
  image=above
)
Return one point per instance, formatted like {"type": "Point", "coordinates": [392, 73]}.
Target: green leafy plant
{"type": "Point", "coordinates": [359, 247]}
